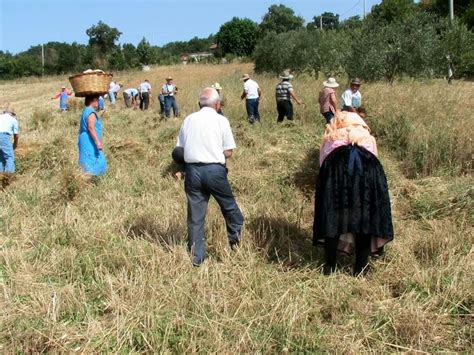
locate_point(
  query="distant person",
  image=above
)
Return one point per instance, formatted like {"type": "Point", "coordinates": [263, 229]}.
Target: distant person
{"type": "Point", "coordinates": [351, 97]}
{"type": "Point", "coordinates": [251, 94]}
{"type": "Point", "coordinates": [63, 98]}
{"type": "Point", "coordinates": [284, 93]}
{"type": "Point", "coordinates": [169, 91]}
{"type": "Point", "coordinates": [145, 92]}
{"type": "Point", "coordinates": [101, 106]}
{"type": "Point", "coordinates": [207, 140]}
{"type": "Point", "coordinates": [352, 203]}
{"type": "Point", "coordinates": [9, 136]}
{"type": "Point", "coordinates": [130, 96]}
{"type": "Point", "coordinates": [220, 90]}
{"type": "Point", "coordinates": [328, 100]}
{"type": "Point", "coordinates": [114, 88]}
{"type": "Point", "coordinates": [91, 156]}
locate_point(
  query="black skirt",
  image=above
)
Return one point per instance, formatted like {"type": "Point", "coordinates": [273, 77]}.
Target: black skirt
{"type": "Point", "coordinates": [352, 197]}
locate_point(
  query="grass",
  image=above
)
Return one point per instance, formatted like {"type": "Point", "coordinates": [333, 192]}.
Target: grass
{"type": "Point", "coordinates": [101, 266]}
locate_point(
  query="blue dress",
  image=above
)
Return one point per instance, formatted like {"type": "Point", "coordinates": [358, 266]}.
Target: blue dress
{"type": "Point", "coordinates": [63, 99]}
{"type": "Point", "coordinates": [91, 159]}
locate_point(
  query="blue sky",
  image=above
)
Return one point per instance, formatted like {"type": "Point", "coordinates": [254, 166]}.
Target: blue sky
{"type": "Point", "coordinates": [24, 23]}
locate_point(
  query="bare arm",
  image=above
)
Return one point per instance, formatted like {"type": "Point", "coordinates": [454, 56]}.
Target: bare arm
{"type": "Point", "coordinates": [259, 92]}
{"type": "Point", "coordinates": [16, 137]}
{"type": "Point", "coordinates": [91, 128]}
{"type": "Point", "coordinates": [293, 95]}
{"type": "Point", "coordinates": [244, 95]}
{"type": "Point", "coordinates": [228, 153]}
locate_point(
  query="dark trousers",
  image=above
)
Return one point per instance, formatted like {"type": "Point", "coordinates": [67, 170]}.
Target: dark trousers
{"type": "Point", "coordinates": [252, 110]}
{"type": "Point", "coordinates": [328, 116]}
{"type": "Point", "coordinates": [201, 182]}
{"type": "Point", "coordinates": [170, 102]}
{"type": "Point", "coordinates": [128, 100]}
{"type": "Point", "coordinates": [362, 252]}
{"type": "Point", "coordinates": [285, 109]}
{"type": "Point", "coordinates": [144, 100]}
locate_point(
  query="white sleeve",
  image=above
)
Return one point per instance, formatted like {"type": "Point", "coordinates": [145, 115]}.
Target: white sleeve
{"type": "Point", "coordinates": [15, 127]}
{"type": "Point", "coordinates": [228, 141]}
{"type": "Point", "coordinates": [180, 140]}
{"type": "Point", "coordinates": [346, 98]}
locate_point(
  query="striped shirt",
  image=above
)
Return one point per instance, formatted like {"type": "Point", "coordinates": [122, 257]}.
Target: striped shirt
{"type": "Point", "coordinates": [283, 91]}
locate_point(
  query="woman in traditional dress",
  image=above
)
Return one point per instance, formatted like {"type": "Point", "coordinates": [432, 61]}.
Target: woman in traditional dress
{"type": "Point", "coordinates": [352, 204]}
{"type": "Point", "coordinates": [91, 156]}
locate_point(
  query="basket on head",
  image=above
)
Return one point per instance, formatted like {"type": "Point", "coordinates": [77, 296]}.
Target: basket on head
{"type": "Point", "coordinates": [91, 83]}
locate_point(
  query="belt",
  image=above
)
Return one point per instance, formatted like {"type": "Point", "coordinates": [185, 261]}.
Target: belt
{"type": "Point", "coordinates": [204, 164]}
{"type": "Point", "coordinates": [5, 133]}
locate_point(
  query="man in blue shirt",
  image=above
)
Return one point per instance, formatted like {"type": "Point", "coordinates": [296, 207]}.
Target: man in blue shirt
{"type": "Point", "coordinates": [130, 96]}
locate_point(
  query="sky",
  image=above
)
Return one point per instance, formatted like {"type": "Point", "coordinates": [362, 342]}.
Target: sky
{"type": "Point", "coordinates": [24, 23]}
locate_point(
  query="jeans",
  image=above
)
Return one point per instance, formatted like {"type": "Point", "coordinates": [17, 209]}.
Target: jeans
{"type": "Point", "coordinates": [284, 108]}
{"type": "Point", "coordinates": [201, 182]}
{"type": "Point", "coordinates": [7, 155]}
{"type": "Point", "coordinates": [170, 102]}
{"type": "Point", "coordinates": [144, 100]}
{"type": "Point", "coordinates": [252, 110]}
{"type": "Point", "coordinates": [161, 99]}
{"type": "Point", "coordinates": [112, 97]}
{"type": "Point", "coordinates": [328, 116]}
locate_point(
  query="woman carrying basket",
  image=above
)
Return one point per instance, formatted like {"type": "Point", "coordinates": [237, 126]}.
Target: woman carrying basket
{"type": "Point", "coordinates": [91, 157]}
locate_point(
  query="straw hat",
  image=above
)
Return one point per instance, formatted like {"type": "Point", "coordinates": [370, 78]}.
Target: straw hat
{"type": "Point", "coordinates": [245, 77]}
{"type": "Point", "coordinates": [355, 81]}
{"type": "Point", "coordinates": [169, 77]}
{"type": "Point", "coordinates": [331, 83]}
{"type": "Point", "coordinates": [286, 75]}
{"type": "Point", "coordinates": [216, 86]}
{"type": "Point", "coordinates": [9, 109]}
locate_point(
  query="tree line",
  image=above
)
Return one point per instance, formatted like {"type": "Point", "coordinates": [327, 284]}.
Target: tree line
{"type": "Point", "coordinates": [398, 38]}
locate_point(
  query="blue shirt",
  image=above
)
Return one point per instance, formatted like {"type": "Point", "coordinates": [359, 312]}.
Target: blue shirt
{"type": "Point", "coordinates": [131, 92]}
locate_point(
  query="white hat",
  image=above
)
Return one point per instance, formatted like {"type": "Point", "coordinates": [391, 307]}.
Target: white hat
{"type": "Point", "coordinates": [331, 83]}
{"type": "Point", "coordinates": [216, 86]}
{"type": "Point", "coordinates": [286, 75]}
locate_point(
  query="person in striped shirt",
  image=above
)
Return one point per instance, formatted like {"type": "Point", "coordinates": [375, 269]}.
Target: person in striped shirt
{"type": "Point", "coordinates": [284, 93]}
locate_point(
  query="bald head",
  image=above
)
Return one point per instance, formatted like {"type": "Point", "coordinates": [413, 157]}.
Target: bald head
{"type": "Point", "coordinates": [209, 97]}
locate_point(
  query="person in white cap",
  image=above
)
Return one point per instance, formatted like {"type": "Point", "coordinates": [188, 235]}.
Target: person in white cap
{"type": "Point", "coordinates": [352, 98]}
{"type": "Point", "coordinates": [8, 128]}
{"type": "Point", "coordinates": [284, 93]}
{"type": "Point", "coordinates": [218, 88]}
{"type": "Point", "coordinates": [251, 94]}
{"type": "Point", "coordinates": [63, 98]}
{"type": "Point", "coordinates": [169, 91]}
{"type": "Point", "coordinates": [327, 99]}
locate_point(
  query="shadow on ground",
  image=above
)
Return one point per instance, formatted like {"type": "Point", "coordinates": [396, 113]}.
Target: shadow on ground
{"type": "Point", "coordinates": [284, 242]}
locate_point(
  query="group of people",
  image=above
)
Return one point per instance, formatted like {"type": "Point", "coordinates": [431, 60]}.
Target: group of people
{"type": "Point", "coordinates": [352, 204]}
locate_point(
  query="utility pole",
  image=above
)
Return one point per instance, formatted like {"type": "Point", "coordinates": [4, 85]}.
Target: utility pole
{"type": "Point", "coordinates": [42, 57]}
{"type": "Point", "coordinates": [321, 22]}
{"type": "Point", "coordinates": [365, 9]}
{"type": "Point", "coordinates": [451, 10]}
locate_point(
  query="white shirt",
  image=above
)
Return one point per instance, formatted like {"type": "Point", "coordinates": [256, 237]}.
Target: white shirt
{"type": "Point", "coordinates": [204, 136]}
{"type": "Point", "coordinates": [168, 89]}
{"type": "Point", "coordinates": [351, 99]}
{"type": "Point", "coordinates": [144, 87]}
{"type": "Point", "coordinates": [251, 89]}
{"type": "Point", "coordinates": [131, 92]}
{"type": "Point", "coordinates": [115, 88]}
{"type": "Point", "coordinates": [8, 123]}
{"type": "Point", "coordinates": [111, 85]}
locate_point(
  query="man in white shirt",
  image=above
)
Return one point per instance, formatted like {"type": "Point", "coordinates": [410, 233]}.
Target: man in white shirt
{"type": "Point", "coordinates": [8, 128]}
{"type": "Point", "coordinates": [169, 91]}
{"type": "Point", "coordinates": [145, 92]}
{"type": "Point", "coordinates": [114, 88]}
{"type": "Point", "coordinates": [351, 98]}
{"type": "Point", "coordinates": [251, 94]}
{"type": "Point", "coordinates": [130, 96]}
{"type": "Point", "coordinates": [207, 141]}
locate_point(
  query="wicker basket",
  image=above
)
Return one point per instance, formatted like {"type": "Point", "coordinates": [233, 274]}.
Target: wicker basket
{"type": "Point", "coordinates": [95, 83]}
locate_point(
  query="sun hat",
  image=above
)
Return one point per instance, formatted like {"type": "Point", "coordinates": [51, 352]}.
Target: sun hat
{"type": "Point", "coordinates": [63, 87]}
{"type": "Point", "coordinates": [216, 86]}
{"type": "Point", "coordinates": [355, 81]}
{"type": "Point", "coordinates": [245, 77]}
{"type": "Point", "coordinates": [331, 83]}
{"type": "Point", "coordinates": [286, 75]}
{"type": "Point", "coordinates": [169, 77]}
{"type": "Point", "coordinates": [9, 109]}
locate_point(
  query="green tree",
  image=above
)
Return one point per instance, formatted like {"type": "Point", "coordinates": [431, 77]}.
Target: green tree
{"type": "Point", "coordinates": [351, 23]}
{"type": "Point", "coordinates": [144, 52]}
{"type": "Point", "coordinates": [103, 37]}
{"type": "Point", "coordinates": [279, 19]}
{"type": "Point", "coordinates": [237, 36]}
{"type": "Point", "coordinates": [392, 10]}
{"type": "Point", "coordinates": [329, 20]}
{"type": "Point", "coordinates": [130, 55]}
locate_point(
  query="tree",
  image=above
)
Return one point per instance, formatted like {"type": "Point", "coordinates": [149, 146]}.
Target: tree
{"type": "Point", "coordinates": [330, 21]}
{"type": "Point", "coordinates": [103, 37]}
{"type": "Point", "coordinates": [392, 10]}
{"type": "Point", "coordinates": [144, 52]}
{"type": "Point", "coordinates": [130, 55]}
{"type": "Point", "coordinates": [237, 36]}
{"type": "Point", "coordinates": [351, 23]}
{"type": "Point", "coordinates": [279, 19]}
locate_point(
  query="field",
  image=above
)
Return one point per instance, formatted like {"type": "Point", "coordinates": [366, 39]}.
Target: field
{"type": "Point", "coordinates": [101, 266]}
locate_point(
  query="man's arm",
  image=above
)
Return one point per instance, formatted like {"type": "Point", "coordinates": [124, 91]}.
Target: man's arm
{"type": "Point", "coordinates": [244, 95]}
{"type": "Point", "coordinates": [16, 137]}
{"type": "Point", "coordinates": [293, 95]}
{"type": "Point", "coordinates": [228, 153]}
{"type": "Point", "coordinates": [259, 92]}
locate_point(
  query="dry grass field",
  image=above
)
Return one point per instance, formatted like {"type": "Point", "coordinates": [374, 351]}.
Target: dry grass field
{"type": "Point", "coordinates": [101, 266]}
